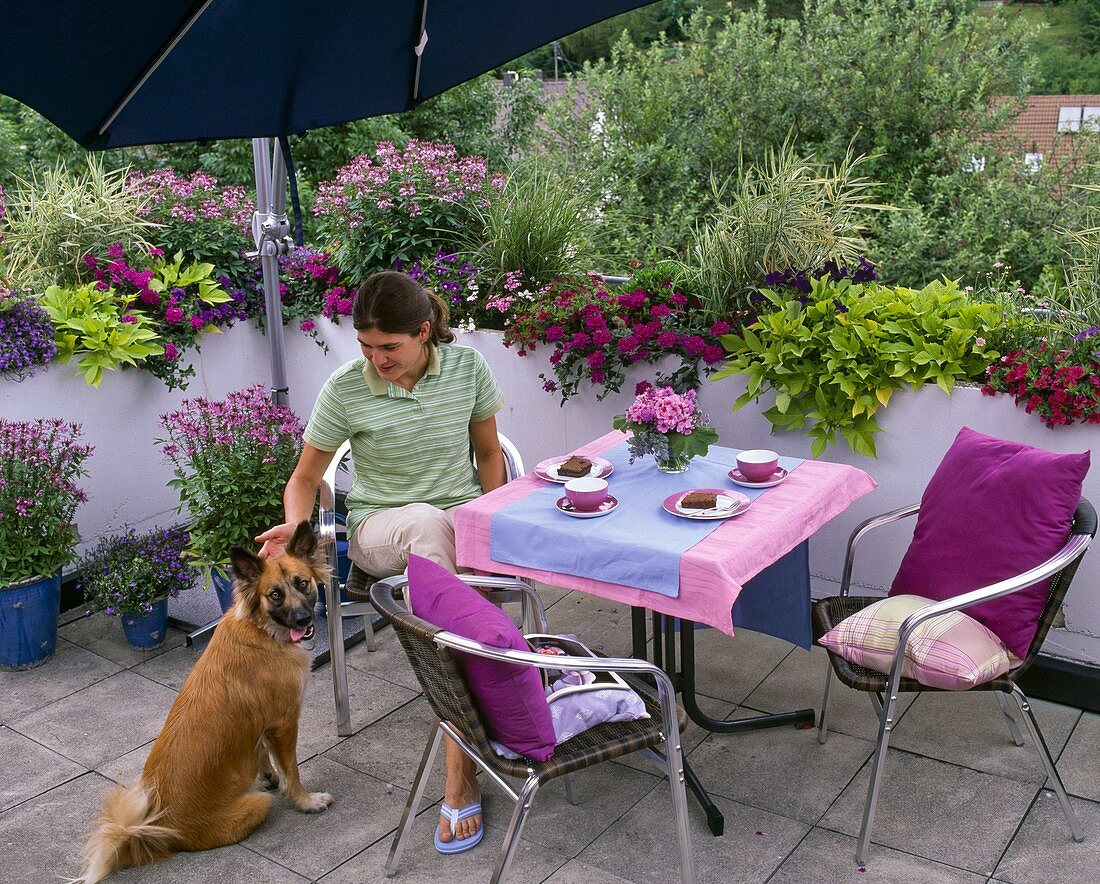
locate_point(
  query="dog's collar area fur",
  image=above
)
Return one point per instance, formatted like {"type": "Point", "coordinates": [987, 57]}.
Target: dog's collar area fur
{"type": "Point", "coordinates": [306, 633]}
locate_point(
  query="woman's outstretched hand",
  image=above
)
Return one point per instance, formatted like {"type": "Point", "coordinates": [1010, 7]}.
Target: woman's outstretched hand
{"type": "Point", "coordinates": [274, 540]}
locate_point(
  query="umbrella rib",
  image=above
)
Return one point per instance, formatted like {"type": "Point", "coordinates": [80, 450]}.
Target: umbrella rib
{"type": "Point", "coordinates": [419, 49]}
{"type": "Point", "coordinates": [151, 68]}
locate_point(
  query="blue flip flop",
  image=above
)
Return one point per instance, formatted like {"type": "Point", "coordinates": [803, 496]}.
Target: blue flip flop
{"type": "Point", "coordinates": [458, 845]}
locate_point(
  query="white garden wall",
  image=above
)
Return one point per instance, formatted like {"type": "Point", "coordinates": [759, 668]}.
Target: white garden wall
{"type": "Point", "coordinates": [127, 477]}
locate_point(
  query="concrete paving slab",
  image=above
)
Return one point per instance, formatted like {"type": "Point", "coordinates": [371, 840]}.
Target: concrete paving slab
{"type": "Point", "coordinates": [799, 683]}
{"type": "Point", "coordinates": [363, 810]}
{"type": "Point", "coordinates": [41, 839]}
{"type": "Point", "coordinates": [230, 865]}
{"type": "Point", "coordinates": [170, 668]}
{"type": "Point", "coordinates": [388, 662]}
{"type": "Point", "coordinates": [1079, 763]}
{"type": "Point", "coordinates": [576, 872]}
{"type": "Point", "coordinates": [968, 728]}
{"type": "Point", "coordinates": [938, 811]}
{"type": "Point", "coordinates": [602, 625]}
{"type": "Point", "coordinates": [100, 722]}
{"type": "Point", "coordinates": [606, 792]}
{"type": "Point", "coordinates": [371, 698]}
{"type": "Point", "coordinates": [641, 846]}
{"type": "Point", "coordinates": [103, 635]}
{"type": "Point", "coordinates": [1043, 852]}
{"type": "Point", "coordinates": [401, 737]}
{"type": "Point", "coordinates": [830, 856]}
{"type": "Point", "coordinates": [784, 770]}
{"type": "Point", "coordinates": [127, 768]}
{"type": "Point", "coordinates": [422, 864]}
{"type": "Point", "coordinates": [69, 670]}
{"type": "Point", "coordinates": [732, 668]}
{"type": "Point", "coordinates": [31, 768]}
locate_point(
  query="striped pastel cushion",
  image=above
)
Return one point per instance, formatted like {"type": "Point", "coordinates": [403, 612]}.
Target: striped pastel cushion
{"type": "Point", "coordinates": [953, 652]}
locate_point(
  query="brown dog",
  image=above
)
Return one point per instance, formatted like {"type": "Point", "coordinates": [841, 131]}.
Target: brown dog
{"type": "Point", "coordinates": [234, 721]}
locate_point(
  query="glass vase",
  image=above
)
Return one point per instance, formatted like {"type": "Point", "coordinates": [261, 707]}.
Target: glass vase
{"type": "Point", "coordinates": [674, 463]}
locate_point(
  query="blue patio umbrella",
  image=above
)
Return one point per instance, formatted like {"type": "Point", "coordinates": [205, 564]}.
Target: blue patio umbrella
{"type": "Point", "coordinates": [113, 73]}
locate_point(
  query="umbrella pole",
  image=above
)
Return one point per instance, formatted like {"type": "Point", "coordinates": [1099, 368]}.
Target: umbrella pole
{"type": "Point", "coordinates": [270, 231]}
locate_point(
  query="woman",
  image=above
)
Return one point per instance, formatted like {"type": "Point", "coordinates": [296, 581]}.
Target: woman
{"type": "Point", "coordinates": [413, 407]}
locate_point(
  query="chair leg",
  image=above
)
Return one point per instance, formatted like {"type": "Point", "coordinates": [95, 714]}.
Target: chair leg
{"type": "Point", "coordinates": [1013, 728]}
{"type": "Point", "coordinates": [417, 793]}
{"type": "Point", "coordinates": [885, 727]}
{"type": "Point", "coordinates": [823, 727]}
{"type": "Point", "coordinates": [368, 631]}
{"type": "Point", "coordinates": [876, 700]}
{"type": "Point", "coordinates": [1032, 725]}
{"type": "Point", "coordinates": [515, 830]}
{"type": "Point", "coordinates": [336, 657]}
{"type": "Point", "coordinates": [674, 756]}
{"type": "Point", "coordinates": [571, 790]}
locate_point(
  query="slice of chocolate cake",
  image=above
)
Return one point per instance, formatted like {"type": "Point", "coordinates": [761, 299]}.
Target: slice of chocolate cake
{"type": "Point", "coordinates": [699, 500]}
{"type": "Point", "coordinates": [575, 467]}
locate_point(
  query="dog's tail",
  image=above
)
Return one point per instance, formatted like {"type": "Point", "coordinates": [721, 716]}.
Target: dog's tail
{"type": "Point", "coordinates": [126, 834]}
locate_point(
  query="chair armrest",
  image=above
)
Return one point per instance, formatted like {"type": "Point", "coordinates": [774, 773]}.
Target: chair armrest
{"type": "Point", "coordinates": [864, 528]}
{"type": "Point", "coordinates": [1074, 548]}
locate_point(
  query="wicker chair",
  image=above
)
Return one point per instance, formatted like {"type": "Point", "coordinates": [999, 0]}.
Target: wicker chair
{"type": "Point", "coordinates": [359, 581]}
{"type": "Point", "coordinates": [883, 689]}
{"type": "Point", "coordinates": [429, 650]}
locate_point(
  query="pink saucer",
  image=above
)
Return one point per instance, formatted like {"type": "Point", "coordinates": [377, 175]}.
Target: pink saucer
{"type": "Point", "coordinates": [564, 505]}
{"type": "Point", "coordinates": [778, 476]}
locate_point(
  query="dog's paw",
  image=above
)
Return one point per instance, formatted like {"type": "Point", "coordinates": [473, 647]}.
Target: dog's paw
{"type": "Point", "coordinates": [313, 802]}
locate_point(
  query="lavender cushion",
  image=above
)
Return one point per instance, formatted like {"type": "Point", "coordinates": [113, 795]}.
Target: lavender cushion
{"type": "Point", "coordinates": [953, 652]}
{"type": "Point", "coordinates": [510, 697]}
{"type": "Point", "coordinates": [992, 510]}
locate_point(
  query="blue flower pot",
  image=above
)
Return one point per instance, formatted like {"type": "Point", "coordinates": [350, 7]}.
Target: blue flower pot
{"type": "Point", "coordinates": [28, 622]}
{"type": "Point", "coordinates": [146, 631]}
{"type": "Point", "coordinates": [223, 588]}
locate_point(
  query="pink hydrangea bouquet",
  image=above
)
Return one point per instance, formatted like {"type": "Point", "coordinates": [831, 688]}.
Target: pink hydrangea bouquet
{"type": "Point", "coordinates": [668, 425]}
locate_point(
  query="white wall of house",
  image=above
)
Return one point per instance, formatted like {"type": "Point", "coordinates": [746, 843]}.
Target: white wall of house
{"type": "Point", "coordinates": [127, 482]}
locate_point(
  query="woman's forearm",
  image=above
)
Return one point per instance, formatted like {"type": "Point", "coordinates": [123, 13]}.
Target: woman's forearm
{"type": "Point", "coordinates": [298, 499]}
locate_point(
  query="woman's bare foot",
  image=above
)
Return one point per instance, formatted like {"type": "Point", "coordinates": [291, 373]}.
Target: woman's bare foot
{"type": "Point", "coordinates": [460, 790]}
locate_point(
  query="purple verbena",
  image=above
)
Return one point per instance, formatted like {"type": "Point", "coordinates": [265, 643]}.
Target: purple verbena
{"type": "Point", "coordinates": [26, 336]}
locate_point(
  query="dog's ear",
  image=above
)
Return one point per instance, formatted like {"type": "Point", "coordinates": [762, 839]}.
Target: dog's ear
{"type": "Point", "coordinates": [246, 565]}
{"type": "Point", "coordinates": [304, 542]}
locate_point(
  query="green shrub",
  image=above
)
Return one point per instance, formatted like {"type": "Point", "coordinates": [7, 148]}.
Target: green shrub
{"type": "Point", "coordinates": [835, 356]}
{"type": "Point", "coordinates": [54, 221]}
{"type": "Point", "coordinates": [787, 212]}
{"type": "Point", "coordinates": [541, 224]}
{"type": "Point", "coordinates": [90, 326]}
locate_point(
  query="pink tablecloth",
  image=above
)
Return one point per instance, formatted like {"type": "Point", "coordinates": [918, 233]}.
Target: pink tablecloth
{"type": "Point", "coordinates": [713, 572]}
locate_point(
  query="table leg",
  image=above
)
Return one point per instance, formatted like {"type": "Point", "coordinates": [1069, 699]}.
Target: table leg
{"type": "Point", "coordinates": [800, 718]}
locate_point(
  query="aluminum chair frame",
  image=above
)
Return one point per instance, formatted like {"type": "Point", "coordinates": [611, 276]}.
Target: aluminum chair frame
{"type": "Point", "coordinates": [672, 758]}
{"type": "Point", "coordinates": [886, 704]}
{"type": "Point", "coordinates": [513, 466]}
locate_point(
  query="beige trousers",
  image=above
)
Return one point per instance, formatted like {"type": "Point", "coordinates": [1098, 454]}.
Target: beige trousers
{"type": "Point", "coordinates": [382, 542]}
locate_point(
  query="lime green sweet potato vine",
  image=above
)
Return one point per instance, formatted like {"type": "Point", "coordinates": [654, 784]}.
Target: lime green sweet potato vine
{"type": "Point", "coordinates": [835, 356]}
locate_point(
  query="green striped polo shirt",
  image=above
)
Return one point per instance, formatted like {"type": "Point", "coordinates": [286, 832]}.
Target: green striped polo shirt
{"type": "Point", "coordinates": [409, 446]}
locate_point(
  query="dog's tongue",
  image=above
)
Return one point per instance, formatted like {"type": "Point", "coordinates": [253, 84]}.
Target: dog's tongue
{"type": "Point", "coordinates": [296, 634]}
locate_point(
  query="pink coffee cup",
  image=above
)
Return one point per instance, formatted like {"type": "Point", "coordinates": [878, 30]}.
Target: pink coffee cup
{"type": "Point", "coordinates": [586, 493]}
{"type": "Point", "coordinates": [757, 464]}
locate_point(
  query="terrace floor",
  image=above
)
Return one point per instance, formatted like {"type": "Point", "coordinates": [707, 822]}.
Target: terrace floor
{"type": "Point", "coordinates": [961, 804]}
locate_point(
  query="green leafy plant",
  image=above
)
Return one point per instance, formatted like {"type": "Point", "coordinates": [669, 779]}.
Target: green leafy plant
{"type": "Point", "coordinates": [54, 221]}
{"type": "Point", "coordinates": [125, 573]}
{"type": "Point", "coordinates": [542, 224]}
{"type": "Point", "coordinates": [787, 212]}
{"type": "Point", "coordinates": [835, 356]}
{"type": "Point", "coordinates": [90, 325]}
{"type": "Point", "coordinates": [40, 463]}
{"type": "Point", "coordinates": [231, 460]}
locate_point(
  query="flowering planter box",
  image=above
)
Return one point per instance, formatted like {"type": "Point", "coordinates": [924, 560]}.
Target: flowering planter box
{"type": "Point", "coordinates": [127, 476]}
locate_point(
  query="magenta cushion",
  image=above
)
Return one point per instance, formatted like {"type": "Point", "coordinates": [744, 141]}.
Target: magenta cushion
{"type": "Point", "coordinates": [992, 510]}
{"type": "Point", "coordinates": [510, 698]}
